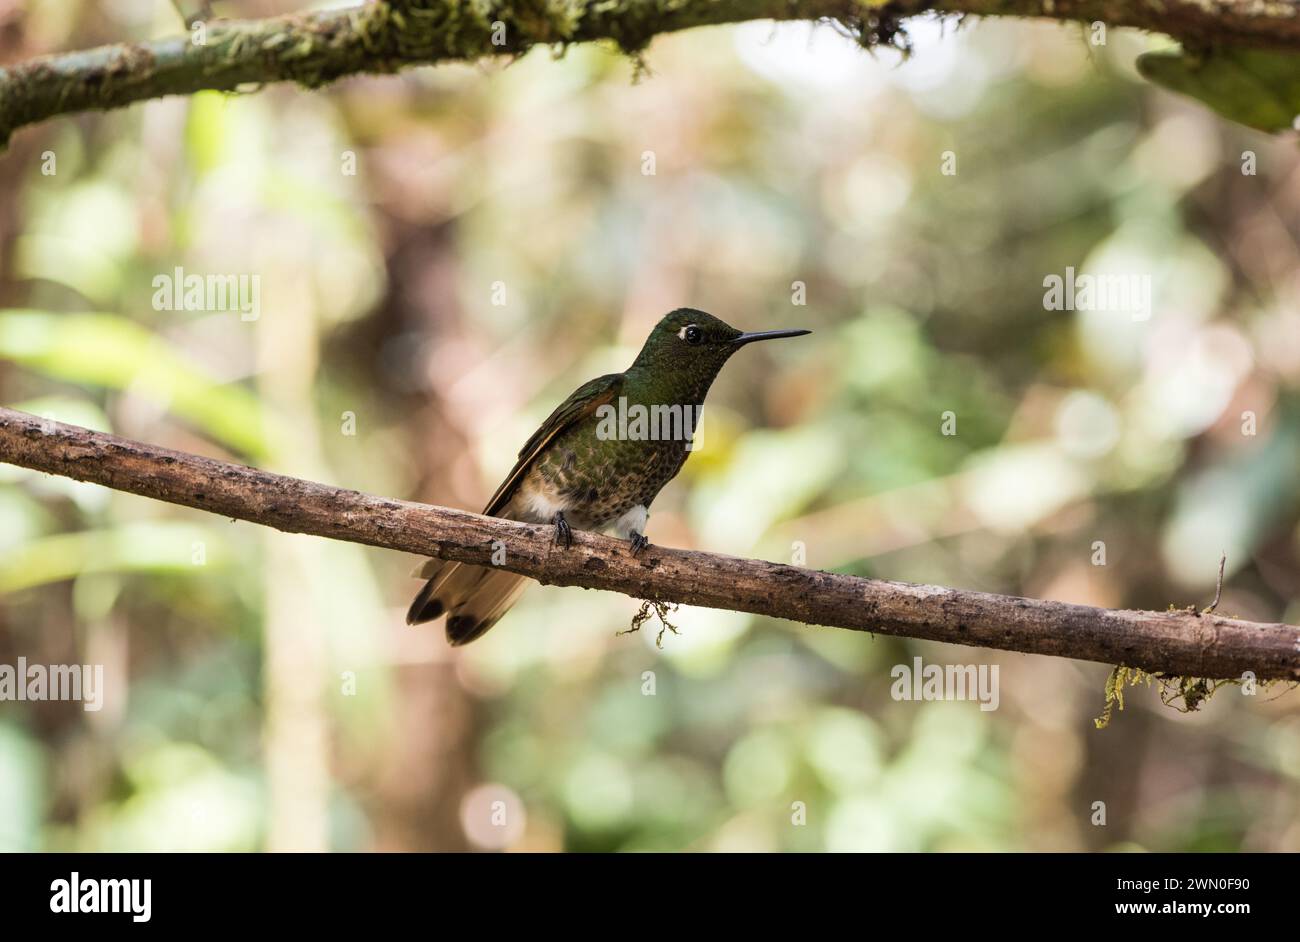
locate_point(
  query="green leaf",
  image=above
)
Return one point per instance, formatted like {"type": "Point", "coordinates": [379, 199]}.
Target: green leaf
{"type": "Point", "coordinates": [159, 547]}
{"type": "Point", "coordinates": [1257, 88]}
{"type": "Point", "coordinates": [113, 352]}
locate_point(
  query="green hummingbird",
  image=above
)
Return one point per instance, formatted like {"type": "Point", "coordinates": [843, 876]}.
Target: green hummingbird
{"type": "Point", "coordinates": [598, 461]}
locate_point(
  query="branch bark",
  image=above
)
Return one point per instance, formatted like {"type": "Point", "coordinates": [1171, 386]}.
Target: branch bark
{"type": "Point", "coordinates": [1175, 643]}
{"type": "Point", "coordinates": [384, 36]}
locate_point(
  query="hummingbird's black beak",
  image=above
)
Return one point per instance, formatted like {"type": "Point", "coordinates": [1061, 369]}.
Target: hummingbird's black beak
{"type": "Point", "coordinates": [767, 335]}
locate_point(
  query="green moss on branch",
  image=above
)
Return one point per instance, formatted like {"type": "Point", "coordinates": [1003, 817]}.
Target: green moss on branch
{"type": "Point", "coordinates": [314, 49]}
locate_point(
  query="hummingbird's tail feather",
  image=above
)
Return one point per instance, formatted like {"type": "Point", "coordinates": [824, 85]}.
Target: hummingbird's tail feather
{"type": "Point", "coordinates": [473, 598]}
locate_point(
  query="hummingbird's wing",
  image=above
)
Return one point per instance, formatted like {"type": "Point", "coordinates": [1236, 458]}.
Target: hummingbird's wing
{"type": "Point", "coordinates": [584, 402]}
{"type": "Point", "coordinates": [474, 598]}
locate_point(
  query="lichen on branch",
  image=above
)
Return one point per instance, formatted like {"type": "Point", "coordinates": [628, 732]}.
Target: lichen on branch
{"type": "Point", "coordinates": [380, 36]}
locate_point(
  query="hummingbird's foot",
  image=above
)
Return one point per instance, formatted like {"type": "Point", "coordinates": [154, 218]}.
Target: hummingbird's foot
{"type": "Point", "coordinates": [638, 542]}
{"type": "Point", "coordinates": [563, 532]}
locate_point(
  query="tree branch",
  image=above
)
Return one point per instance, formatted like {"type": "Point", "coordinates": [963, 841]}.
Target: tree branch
{"type": "Point", "coordinates": [313, 49]}
{"type": "Point", "coordinates": [1175, 643]}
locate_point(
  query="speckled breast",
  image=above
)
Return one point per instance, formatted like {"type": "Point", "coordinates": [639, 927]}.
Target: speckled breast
{"type": "Point", "coordinates": [600, 479]}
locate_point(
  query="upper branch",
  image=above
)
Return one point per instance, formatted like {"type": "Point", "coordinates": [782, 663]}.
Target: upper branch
{"type": "Point", "coordinates": [387, 35]}
{"type": "Point", "coordinates": [1175, 643]}
{"type": "Point", "coordinates": [313, 49]}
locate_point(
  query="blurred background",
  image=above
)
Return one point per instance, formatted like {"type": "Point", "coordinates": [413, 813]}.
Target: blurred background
{"type": "Point", "coordinates": [444, 255]}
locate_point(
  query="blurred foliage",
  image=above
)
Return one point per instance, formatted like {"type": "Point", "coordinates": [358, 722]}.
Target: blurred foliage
{"type": "Point", "coordinates": [111, 351]}
{"type": "Point", "coordinates": [1257, 87]}
{"type": "Point", "coordinates": [261, 689]}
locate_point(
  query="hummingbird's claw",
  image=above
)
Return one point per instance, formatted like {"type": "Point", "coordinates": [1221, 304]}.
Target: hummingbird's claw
{"type": "Point", "coordinates": [638, 542]}
{"type": "Point", "coordinates": [563, 532]}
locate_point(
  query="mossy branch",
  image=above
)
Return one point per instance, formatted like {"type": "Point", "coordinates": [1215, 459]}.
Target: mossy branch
{"type": "Point", "coordinates": [385, 36]}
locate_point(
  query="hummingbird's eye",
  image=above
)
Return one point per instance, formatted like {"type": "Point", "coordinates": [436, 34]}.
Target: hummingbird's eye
{"type": "Point", "coordinates": [691, 334]}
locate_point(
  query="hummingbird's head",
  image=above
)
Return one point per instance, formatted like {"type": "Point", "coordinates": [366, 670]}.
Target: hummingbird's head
{"type": "Point", "coordinates": [691, 345]}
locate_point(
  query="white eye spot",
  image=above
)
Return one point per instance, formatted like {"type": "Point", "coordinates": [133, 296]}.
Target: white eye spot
{"type": "Point", "coordinates": [681, 334]}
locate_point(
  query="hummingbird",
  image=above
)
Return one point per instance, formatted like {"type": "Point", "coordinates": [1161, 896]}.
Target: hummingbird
{"type": "Point", "coordinates": [584, 469]}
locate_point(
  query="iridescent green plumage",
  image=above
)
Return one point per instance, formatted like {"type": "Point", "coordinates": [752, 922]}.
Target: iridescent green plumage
{"type": "Point", "coordinates": [588, 467]}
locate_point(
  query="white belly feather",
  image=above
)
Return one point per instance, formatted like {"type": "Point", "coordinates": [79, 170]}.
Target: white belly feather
{"type": "Point", "coordinates": [633, 520]}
